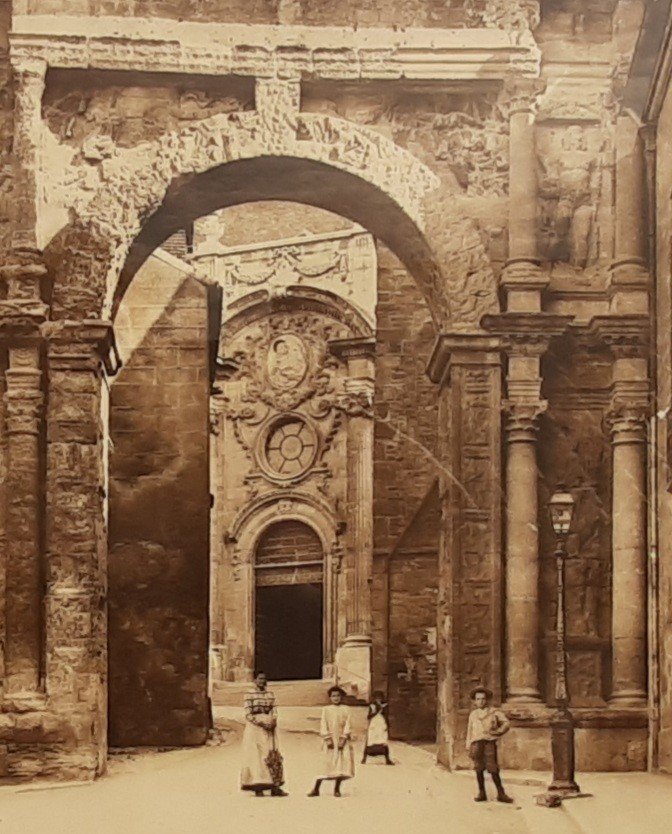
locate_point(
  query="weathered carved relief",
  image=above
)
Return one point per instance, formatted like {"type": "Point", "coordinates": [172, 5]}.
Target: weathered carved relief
{"type": "Point", "coordinates": [517, 17]}
{"type": "Point", "coordinates": [570, 190]}
{"type": "Point", "coordinates": [126, 188]}
{"type": "Point", "coordinates": [130, 115]}
{"type": "Point", "coordinates": [282, 400]}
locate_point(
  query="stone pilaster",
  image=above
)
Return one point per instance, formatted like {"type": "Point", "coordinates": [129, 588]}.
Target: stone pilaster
{"type": "Point", "coordinates": [522, 278]}
{"type": "Point", "coordinates": [468, 368]}
{"type": "Point", "coordinates": [3, 506]}
{"type": "Point", "coordinates": [627, 420]}
{"type": "Point", "coordinates": [76, 537]}
{"type": "Point", "coordinates": [21, 314]}
{"type": "Point", "coordinates": [353, 658]}
{"type": "Point", "coordinates": [217, 535]}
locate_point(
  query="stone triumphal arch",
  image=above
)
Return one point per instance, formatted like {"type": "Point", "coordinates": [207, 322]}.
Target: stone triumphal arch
{"type": "Point", "coordinates": [134, 555]}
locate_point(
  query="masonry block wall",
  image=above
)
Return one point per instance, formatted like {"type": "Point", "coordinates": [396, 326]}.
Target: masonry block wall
{"type": "Point", "coordinates": [406, 511]}
{"type": "Point", "coordinates": [159, 514]}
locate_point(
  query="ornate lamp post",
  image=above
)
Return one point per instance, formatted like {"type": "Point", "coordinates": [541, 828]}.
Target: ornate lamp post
{"type": "Point", "coordinates": [561, 508]}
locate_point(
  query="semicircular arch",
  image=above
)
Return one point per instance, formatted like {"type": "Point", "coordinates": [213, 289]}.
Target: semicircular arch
{"type": "Point", "coordinates": [147, 193]}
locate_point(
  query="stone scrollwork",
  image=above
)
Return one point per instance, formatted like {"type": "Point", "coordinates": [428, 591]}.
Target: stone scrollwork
{"type": "Point", "coordinates": [283, 397]}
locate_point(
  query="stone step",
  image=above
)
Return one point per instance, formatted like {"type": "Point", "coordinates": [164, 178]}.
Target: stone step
{"type": "Point", "coordinates": [308, 693]}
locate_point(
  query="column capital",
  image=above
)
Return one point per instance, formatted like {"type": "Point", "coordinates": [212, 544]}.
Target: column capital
{"type": "Point", "coordinates": [29, 69]}
{"type": "Point", "coordinates": [24, 273]}
{"type": "Point", "coordinates": [526, 334]}
{"type": "Point", "coordinates": [82, 345]}
{"type": "Point", "coordinates": [522, 419]}
{"type": "Point", "coordinates": [628, 413]}
{"type": "Point", "coordinates": [627, 336]}
{"type": "Point", "coordinates": [522, 93]}
{"type": "Point", "coordinates": [357, 398]}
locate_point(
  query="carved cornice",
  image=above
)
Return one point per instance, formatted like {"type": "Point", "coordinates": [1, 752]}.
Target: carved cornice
{"type": "Point", "coordinates": [527, 334]}
{"type": "Point", "coordinates": [82, 345]}
{"type": "Point", "coordinates": [627, 336]}
{"type": "Point", "coordinates": [267, 51]}
{"type": "Point", "coordinates": [359, 347]}
{"type": "Point", "coordinates": [466, 348]}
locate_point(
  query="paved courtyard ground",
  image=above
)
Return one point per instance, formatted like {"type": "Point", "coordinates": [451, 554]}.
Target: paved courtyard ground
{"type": "Point", "coordinates": [176, 792]}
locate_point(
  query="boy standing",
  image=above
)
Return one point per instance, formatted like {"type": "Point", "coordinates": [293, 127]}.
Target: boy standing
{"type": "Point", "coordinates": [486, 725]}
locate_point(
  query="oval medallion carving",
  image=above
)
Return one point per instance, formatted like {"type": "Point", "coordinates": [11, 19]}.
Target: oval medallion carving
{"type": "Point", "coordinates": [287, 362]}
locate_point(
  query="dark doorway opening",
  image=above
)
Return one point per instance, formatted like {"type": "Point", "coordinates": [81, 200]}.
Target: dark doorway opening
{"type": "Point", "coordinates": [289, 631]}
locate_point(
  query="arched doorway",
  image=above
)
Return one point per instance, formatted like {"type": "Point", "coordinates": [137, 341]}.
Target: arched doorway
{"type": "Point", "coordinates": [184, 176]}
{"type": "Point", "coordinates": [289, 602]}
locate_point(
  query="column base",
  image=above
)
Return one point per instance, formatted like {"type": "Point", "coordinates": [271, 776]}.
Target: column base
{"type": "Point", "coordinates": [353, 666]}
{"type": "Point", "coordinates": [628, 698]}
{"type": "Point", "coordinates": [524, 696]}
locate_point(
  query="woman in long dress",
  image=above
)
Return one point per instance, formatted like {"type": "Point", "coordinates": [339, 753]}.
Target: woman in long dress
{"type": "Point", "coordinates": [339, 757]}
{"type": "Point", "coordinates": [377, 738]}
{"type": "Point", "coordinates": [259, 739]}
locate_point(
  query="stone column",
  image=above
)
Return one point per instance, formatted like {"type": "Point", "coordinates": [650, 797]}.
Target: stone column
{"type": "Point", "coordinates": [521, 278]}
{"type": "Point", "coordinates": [76, 536]}
{"type": "Point", "coordinates": [627, 420]}
{"type": "Point", "coordinates": [21, 315]}
{"type": "Point", "coordinates": [525, 337]}
{"type": "Point", "coordinates": [629, 569]}
{"type": "Point", "coordinates": [29, 77]}
{"type": "Point", "coordinates": [354, 656]}
{"type": "Point", "coordinates": [629, 277]}
{"type": "Point", "coordinates": [522, 551]}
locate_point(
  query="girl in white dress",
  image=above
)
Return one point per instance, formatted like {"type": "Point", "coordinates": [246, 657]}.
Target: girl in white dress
{"type": "Point", "coordinates": [339, 757]}
{"type": "Point", "coordinates": [377, 740]}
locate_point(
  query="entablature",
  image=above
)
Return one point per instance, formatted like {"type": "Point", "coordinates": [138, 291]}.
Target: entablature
{"type": "Point", "coordinates": [113, 43]}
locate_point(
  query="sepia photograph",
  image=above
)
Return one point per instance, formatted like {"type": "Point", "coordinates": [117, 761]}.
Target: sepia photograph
{"type": "Point", "coordinates": [335, 416]}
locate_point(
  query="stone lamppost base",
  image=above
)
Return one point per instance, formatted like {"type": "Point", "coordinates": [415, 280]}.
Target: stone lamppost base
{"type": "Point", "coordinates": [563, 785]}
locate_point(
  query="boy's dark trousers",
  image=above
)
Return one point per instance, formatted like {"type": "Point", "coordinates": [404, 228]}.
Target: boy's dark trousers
{"type": "Point", "coordinates": [484, 756]}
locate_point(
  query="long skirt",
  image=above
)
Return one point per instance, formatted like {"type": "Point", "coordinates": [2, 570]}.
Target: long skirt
{"type": "Point", "coordinates": [377, 736]}
{"type": "Point", "coordinates": [338, 764]}
{"type": "Point", "coordinates": [257, 744]}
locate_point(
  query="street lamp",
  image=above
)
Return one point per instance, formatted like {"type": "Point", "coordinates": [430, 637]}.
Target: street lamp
{"type": "Point", "coordinates": [561, 508]}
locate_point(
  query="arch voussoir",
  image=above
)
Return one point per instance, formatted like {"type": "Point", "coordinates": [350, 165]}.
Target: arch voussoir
{"type": "Point", "coordinates": [345, 168]}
